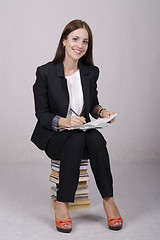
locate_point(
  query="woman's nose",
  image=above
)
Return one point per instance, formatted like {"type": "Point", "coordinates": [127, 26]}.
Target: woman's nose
{"type": "Point", "coordinates": [80, 44]}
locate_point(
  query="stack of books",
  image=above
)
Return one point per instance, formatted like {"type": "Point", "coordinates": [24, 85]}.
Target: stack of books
{"type": "Point", "coordinates": [81, 200]}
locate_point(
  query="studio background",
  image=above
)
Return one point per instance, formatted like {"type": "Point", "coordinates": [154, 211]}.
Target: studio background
{"type": "Point", "coordinates": [126, 36]}
{"type": "Point", "coordinates": [126, 49]}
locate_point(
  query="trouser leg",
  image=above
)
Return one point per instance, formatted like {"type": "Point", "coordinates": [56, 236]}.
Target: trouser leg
{"type": "Point", "coordinates": [69, 148]}
{"type": "Point", "coordinates": [99, 161]}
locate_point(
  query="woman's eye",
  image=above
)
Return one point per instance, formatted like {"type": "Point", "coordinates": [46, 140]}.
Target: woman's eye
{"type": "Point", "coordinates": [85, 41]}
{"type": "Point", "coordinates": [75, 39]}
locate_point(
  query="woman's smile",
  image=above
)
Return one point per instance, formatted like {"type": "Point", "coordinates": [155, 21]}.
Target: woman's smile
{"type": "Point", "coordinates": [77, 51]}
{"type": "Point", "coordinates": [77, 42]}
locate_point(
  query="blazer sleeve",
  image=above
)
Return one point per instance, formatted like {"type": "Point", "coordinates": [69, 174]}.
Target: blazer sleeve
{"type": "Point", "coordinates": [40, 90]}
{"type": "Point", "coordinates": [95, 101]}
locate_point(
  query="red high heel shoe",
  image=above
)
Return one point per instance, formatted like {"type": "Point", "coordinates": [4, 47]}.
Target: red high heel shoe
{"type": "Point", "coordinates": [61, 224]}
{"type": "Point", "coordinates": [112, 221]}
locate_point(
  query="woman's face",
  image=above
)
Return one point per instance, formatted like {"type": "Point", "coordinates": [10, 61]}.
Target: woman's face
{"type": "Point", "coordinates": [76, 44]}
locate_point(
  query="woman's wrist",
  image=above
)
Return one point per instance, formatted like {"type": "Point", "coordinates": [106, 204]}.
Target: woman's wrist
{"type": "Point", "coordinates": [100, 112]}
{"type": "Point", "coordinates": [64, 122]}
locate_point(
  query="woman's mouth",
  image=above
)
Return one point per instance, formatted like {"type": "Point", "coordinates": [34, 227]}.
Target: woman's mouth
{"type": "Point", "coordinates": [77, 51]}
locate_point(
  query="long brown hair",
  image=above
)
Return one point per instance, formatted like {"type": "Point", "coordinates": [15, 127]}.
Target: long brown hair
{"type": "Point", "coordinates": [71, 26]}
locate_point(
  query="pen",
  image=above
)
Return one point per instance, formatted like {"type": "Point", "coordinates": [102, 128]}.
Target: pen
{"type": "Point", "coordinates": [74, 112]}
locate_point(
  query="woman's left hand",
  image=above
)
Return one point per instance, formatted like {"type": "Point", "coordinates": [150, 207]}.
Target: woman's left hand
{"type": "Point", "coordinates": [107, 114]}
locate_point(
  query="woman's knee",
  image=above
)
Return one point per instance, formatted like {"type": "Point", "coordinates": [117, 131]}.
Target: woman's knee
{"type": "Point", "coordinates": [78, 135]}
{"type": "Point", "coordinates": [76, 140]}
{"type": "Point", "coordinates": [94, 137]}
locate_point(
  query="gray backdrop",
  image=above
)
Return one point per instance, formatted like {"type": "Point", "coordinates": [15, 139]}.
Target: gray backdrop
{"type": "Point", "coordinates": [126, 49]}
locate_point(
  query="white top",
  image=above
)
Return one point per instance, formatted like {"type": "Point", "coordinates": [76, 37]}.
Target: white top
{"type": "Point", "coordinates": [75, 94]}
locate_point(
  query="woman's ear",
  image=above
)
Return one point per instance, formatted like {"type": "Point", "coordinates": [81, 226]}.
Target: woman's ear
{"type": "Point", "coordinates": [64, 42]}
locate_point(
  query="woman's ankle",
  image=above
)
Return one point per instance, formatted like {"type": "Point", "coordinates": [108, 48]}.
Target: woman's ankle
{"type": "Point", "coordinates": [62, 208]}
{"type": "Point", "coordinates": [110, 207]}
{"type": "Point", "coordinates": [62, 203]}
{"type": "Point", "coordinates": [108, 200]}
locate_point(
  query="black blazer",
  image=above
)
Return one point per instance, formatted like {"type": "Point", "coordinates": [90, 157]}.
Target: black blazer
{"type": "Point", "coordinates": [52, 98]}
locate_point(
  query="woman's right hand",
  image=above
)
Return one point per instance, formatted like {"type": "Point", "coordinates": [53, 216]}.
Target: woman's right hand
{"type": "Point", "coordinates": [71, 122]}
{"type": "Point", "coordinates": [76, 121]}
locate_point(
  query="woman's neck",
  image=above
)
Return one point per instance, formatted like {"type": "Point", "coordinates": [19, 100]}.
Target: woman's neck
{"type": "Point", "coordinates": [70, 67]}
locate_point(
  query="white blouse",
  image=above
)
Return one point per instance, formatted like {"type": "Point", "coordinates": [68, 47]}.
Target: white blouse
{"type": "Point", "coordinates": [76, 100]}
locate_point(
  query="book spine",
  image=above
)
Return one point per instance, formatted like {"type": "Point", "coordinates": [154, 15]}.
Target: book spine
{"type": "Point", "coordinates": [81, 195]}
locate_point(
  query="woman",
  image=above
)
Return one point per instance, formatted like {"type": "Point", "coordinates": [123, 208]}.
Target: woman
{"type": "Point", "coordinates": [66, 83]}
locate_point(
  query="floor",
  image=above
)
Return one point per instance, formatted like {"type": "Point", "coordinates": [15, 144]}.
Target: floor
{"type": "Point", "coordinates": [25, 211]}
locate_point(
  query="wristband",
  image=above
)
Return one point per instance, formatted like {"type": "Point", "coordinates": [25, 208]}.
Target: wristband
{"type": "Point", "coordinates": [99, 113]}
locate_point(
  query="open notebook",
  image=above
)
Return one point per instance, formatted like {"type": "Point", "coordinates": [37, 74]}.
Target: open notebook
{"type": "Point", "coordinates": [95, 124]}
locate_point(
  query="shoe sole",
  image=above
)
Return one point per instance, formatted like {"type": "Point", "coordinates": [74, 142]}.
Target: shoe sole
{"type": "Point", "coordinates": [64, 230]}
{"type": "Point", "coordinates": [115, 228]}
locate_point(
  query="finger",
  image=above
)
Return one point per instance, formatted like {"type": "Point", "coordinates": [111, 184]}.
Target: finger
{"type": "Point", "coordinates": [106, 115]}
{"type": "Point", "coordinates": [112, 120]}
{"type": "Point", "coordinates": [84, 120]}
{"type": "Point", "coordinates": [76, 121]}
{"type": "Point", "coordinates": [110, 113]}
{"type": "Point", "coordinates": [79, 119]}
{"type": "Point", "coordinates": [76, 117]}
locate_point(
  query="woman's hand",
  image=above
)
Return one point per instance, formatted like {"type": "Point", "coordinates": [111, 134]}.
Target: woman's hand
{"type": "Point", "coordinates": [76, 121]}
{"type": "Point", "coordinates": [106, 114]}
{"type": "Point", "coordinates": [71, 122]}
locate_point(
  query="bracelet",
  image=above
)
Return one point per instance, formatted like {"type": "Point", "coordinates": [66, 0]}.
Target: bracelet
{"type": "Point", "coordinates": [99, 113]}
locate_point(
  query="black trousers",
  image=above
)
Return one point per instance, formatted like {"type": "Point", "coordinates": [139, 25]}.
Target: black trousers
{"type": "Point", "coordinates": [72, 146]}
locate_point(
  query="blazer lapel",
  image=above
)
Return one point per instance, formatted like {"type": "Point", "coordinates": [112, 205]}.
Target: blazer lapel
{"type": "Point", "coordinates": [63, 85]}
{"type": "Point", "coordinates": [85, 85]}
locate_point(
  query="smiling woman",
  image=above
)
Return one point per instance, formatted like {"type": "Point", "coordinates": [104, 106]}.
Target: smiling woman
{"type": "Point", "coordinates": [65, 94]}
{"type": "Point", "coordinates": [76, 46]}
{"type": "Point", "coordinates": [77, 41]}
{"type": "Point", "coordinates": [71, 27]}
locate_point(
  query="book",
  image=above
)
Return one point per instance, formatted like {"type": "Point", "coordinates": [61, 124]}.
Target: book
{"type": "Point", "coordinates": [55, 179]}
{"type": "Point", "coordinates": [56, 168]}
{"type": "Point", "coordinates": [82, 191]}
{"type": "Point", "coordinates": [79, 206]}
{"type": "Point", "coordinates": [81, 196]}
{"type": "Point", "coordinates": [77, 197]}
{"type": "Point", "coordinates": [82, 173]}
{"type": "Point", "coordinates": [76, 202]}
{"type": "Point", "coordinates": [80, 184]}
{"type": "Point", "coordinates": [83, 161]}
{"type": "Point", "coordinates": [55, 165]}
{"type": "Point", "coordinates": [75, 206]}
